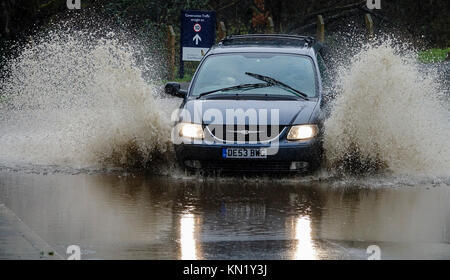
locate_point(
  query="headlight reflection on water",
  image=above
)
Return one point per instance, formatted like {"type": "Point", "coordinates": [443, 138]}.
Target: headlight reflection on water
{"type": "Point", "coordinates": [188, 240]}
{"type": "Point", "coordinates": [304, 247]}
{"type": "Point", "coordinates": [299, 227]}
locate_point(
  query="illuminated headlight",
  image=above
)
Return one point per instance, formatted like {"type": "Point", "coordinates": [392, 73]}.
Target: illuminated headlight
{"type": "Point", "coordinates": [191, 130]}
{"type": "Point", "coordinates": [303, 132]}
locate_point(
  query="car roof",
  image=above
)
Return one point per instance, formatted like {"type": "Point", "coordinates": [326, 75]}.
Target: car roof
{"type": "Point", "coordinates": [274, 43]}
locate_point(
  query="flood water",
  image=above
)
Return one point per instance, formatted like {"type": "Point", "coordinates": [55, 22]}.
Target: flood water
{"type": "Point", "coordinates": [112, 216]}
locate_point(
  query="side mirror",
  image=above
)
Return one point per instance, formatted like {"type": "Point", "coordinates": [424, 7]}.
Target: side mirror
{"type": "Point", "coordinates": [174, 89]}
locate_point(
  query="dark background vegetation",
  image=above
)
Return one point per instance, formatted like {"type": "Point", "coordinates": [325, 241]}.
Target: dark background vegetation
{"type": "Point", "coordinates": [423, 17]}
{"type": "Point", "coordinates": [426, 22]}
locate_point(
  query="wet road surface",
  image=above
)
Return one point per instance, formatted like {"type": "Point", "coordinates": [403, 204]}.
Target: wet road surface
{"type": "Point", "coordinates": [113, 216]}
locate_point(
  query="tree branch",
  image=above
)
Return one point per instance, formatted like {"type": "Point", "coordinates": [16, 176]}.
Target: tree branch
{"type": "Point", "coordinates": [336, 9]}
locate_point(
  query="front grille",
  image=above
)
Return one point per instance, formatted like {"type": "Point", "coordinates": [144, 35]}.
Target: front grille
{"type": "Point", "coordinates": [247, 166]}
{"type": "Point", "coordinates": [244, 133]}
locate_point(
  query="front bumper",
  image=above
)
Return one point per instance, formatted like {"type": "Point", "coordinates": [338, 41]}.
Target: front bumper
{"type": "Point", "coordinates": [289, 156]}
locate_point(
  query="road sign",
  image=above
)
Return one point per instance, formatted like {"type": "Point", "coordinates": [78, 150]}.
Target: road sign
{"type": "Point", "coordinates": [198, 34]}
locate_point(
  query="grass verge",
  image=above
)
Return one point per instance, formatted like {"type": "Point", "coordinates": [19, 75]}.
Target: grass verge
{"type": "Point", "coordinates": [433, 55]}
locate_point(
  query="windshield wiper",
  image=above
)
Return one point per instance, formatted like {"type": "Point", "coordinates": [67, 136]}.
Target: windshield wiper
{"type": "Point", "coordinates": [242, 86]}
{"type": "Point", "coordinates": [272, 81]}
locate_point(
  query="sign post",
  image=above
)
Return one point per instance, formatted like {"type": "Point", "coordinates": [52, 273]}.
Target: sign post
{"type": "Point", "coordinates": [198, 34]}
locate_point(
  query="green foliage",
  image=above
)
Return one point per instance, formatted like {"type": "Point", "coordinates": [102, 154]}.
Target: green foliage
{"type": "Point", "coordinates": [185, 79]}
{"type": "Point", "coordinates": [433, 55]}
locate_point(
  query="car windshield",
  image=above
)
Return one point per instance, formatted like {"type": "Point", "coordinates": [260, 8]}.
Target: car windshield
{"type": "Point", "coordinates": [227, 70]}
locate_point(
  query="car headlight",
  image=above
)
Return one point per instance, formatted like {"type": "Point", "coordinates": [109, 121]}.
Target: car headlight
{"type": "Point", "coordinates": [191, 130]}
{"type": "Point", "coordinates": [303, 132]}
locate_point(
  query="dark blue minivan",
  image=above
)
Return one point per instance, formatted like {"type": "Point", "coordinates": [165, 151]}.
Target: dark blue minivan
{"type": "Point", "coordinates": [254, 104]}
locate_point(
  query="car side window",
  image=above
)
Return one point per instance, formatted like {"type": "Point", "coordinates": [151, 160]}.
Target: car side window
{"type": "Point", "coordinates": [323, 71]}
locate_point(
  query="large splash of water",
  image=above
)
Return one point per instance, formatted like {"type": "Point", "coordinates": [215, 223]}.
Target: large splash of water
{"type": "Point", "coordinates": [388, 115]}
{"type": "Point", "coordinates": [72, 99]}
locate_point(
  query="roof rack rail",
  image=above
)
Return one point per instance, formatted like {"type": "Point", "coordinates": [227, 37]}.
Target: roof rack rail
{"type": "Point", "coordinates": [309, 40]}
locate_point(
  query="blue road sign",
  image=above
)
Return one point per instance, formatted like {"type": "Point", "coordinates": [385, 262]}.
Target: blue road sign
{"type": "Point", "coordinates": [198, 34]}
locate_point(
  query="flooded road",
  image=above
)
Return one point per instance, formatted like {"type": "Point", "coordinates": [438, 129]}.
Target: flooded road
{"type": "Point", "coordinates": [113, 216]}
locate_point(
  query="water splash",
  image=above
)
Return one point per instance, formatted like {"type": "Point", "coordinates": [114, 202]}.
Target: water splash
{"type": "Point", "coordinates": [388, 116]}
{"type": "Point", "coordinates": [74, 99]}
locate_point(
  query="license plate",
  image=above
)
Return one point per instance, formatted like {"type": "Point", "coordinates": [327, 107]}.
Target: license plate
{"type": "Point", "coordinates": [244, 153]}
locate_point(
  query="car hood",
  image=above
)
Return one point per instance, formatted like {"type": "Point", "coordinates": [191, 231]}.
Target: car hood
{"type": "Point", "coordinates": [223, 111]}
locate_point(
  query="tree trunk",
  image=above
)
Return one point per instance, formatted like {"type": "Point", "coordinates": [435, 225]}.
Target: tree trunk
{"type": "Point", "coordinates": [5, 18]}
